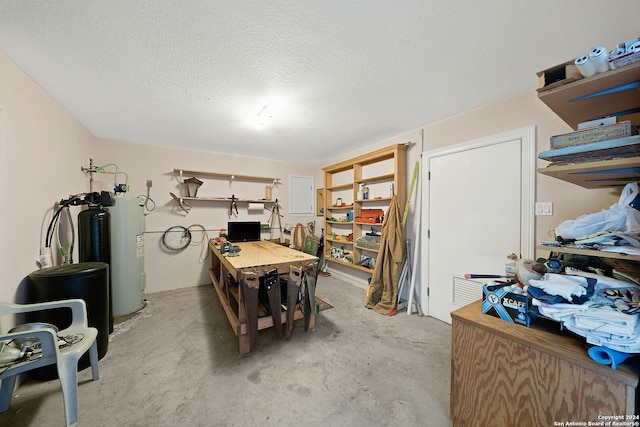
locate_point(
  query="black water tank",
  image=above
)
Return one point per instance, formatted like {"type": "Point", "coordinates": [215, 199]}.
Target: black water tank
{"type": "Point", "coordinates": [94, 235]}
{"type": "Point", "coordinates": [88, 281]}
{"type": "Point", "coordinates": [94, 241]}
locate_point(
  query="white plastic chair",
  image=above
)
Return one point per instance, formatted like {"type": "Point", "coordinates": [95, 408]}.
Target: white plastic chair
{"type": "Point", "coordinates": [65, 357]}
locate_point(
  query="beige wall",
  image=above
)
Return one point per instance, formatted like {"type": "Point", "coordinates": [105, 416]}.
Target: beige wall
{"type": "Point", "coordinates": [145, 162]}
{"type": "Point", "coordinates": [42, 149]}
{"type": "Point", "coordinates": [519, 111]}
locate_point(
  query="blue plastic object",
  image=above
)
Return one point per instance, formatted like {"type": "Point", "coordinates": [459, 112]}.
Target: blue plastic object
{"type": "Point", "coordinates": [621, 88]}
{"type": "Point", "coordinates": [608, 356]}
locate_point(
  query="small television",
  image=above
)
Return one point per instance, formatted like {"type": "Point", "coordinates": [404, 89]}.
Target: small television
{"type": "Point", "coordinates": [243, 231]}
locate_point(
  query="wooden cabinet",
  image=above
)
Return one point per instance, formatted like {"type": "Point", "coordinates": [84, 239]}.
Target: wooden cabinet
{"type": "Point", "coordinates": [383, 173]}
{"type": "Point", "coordinates": [504, 374]}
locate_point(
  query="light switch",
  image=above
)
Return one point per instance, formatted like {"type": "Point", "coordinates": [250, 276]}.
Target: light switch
{"type": "Point", "coordinates": [544, 208]}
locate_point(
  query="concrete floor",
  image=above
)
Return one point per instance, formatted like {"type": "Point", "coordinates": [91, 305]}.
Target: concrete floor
{"type": "Point", "coordinates": [176, 362]}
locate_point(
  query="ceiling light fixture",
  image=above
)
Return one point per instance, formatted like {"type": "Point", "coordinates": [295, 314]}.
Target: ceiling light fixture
{"type": "Point", "coordinates": [263, 116]}
{"type": "Point", "coordinates": [271, 108]}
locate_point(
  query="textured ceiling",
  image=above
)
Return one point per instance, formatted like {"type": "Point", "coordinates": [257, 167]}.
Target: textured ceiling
{"type": "Point", "coordinates": [349, 73]}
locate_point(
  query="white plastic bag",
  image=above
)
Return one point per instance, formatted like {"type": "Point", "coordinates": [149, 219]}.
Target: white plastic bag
{"type": "Point", "coordinates": [619, 217]}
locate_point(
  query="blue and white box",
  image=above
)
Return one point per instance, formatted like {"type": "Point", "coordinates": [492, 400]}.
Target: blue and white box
{"type": "Point", "coordinates": [509, 306]}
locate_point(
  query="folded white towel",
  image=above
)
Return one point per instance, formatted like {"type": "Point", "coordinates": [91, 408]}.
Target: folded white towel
{"type": "Point", "coordinates": [606, 321]}
{"type": "Point", "coordinates": [628, 344]}
{"type": "Point", "coordinates": [561, 284]}
{"type": "Point", "coordinates": [559, 312]}
{"type": "Point", "coordinates": [598, 321]}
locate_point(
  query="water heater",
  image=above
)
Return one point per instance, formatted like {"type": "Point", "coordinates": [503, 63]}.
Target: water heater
{"type": "Point", "coordinates": [128, 278]}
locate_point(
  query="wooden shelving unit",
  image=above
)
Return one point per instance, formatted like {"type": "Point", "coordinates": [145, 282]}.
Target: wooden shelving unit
{"type": "Point", "coordinates": [565, 101]}
{"type": "Point", "coordinates": [378, 169]}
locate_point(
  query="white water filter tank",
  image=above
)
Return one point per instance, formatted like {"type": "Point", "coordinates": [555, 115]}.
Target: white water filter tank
{"type": "Point", "coordinates": [128, 278]}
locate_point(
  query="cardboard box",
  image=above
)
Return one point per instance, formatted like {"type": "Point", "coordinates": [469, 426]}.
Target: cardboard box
{"type": "Point", "coordinates": [558, 76]}
{"type": "Point", "coordinates": [623, 60]}
{"type": "Point", "coordinates": [591, 135]}
{"type": "Point", "coordinates": [513, 308]}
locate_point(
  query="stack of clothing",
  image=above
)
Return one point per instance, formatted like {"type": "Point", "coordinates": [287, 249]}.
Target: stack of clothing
{"type": "Point", "coordinates": [602, 309]}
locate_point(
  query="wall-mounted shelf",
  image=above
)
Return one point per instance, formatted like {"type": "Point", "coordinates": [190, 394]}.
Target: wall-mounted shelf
{"type": "Point", "coordinates": [183, 201]}
{"type": "Point", "coordinates": [598, 174]}
{"type": "Point", "coordinates": [563, 100]}
{"type": "Point", "coordinates": [227, 200]}
{"type": "Point", "coordinates": [574, 103]}
{"type": "Point", "coordinates": [588, 252]}
{"type": "Point", "coordinates": [229, 176]}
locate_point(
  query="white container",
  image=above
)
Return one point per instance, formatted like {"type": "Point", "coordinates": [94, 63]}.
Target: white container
{"type": "Point", "coordinates": [585, 66]}
{"type": "Point", "coordinates": [600, 58]}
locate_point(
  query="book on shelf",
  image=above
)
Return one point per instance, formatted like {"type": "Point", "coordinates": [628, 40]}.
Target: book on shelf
{"type": "Point", "coordinates": [603, 150]}
{"type": "Point", "coordinates": [591, 135]}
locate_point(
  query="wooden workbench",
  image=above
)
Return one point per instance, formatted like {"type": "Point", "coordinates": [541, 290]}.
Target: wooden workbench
{"type": "Point", "coordinates": [505, 374]}
{"type": "Point", "coordinates": [258, 257]}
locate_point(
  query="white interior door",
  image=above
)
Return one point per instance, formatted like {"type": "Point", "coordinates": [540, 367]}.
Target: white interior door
{"type": "Point", "coordinates": [478, 208]}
